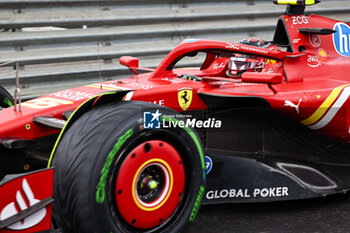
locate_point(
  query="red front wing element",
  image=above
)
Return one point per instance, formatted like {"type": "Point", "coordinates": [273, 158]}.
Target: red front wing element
{"type": "Point", "coordinates": [20, 202]}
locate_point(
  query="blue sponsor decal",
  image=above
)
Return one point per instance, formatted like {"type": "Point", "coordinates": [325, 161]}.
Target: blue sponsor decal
{"type": "Point", "coordinates": [341, 39]}
{"type": "Point", "coordinates": [151, 120]}
{"type": "Point", "coordinates": [190, 40]}
{"type": "Point", "coordinates": [208, 164]}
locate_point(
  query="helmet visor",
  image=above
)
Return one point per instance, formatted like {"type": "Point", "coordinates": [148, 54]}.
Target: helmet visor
{"type": "Point", "coordinates": [240, 64]}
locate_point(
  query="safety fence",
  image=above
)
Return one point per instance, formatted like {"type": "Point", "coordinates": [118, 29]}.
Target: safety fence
{"type": "Point", "coordinates": [64, 43]}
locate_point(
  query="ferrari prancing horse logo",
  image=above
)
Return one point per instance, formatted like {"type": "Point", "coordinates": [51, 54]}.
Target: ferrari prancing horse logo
{"type": "Point", "coordinates": [184, 97]}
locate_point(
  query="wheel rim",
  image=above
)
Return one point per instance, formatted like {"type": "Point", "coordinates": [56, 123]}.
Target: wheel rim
{"type": "Point", "coordinates": [146, 194]}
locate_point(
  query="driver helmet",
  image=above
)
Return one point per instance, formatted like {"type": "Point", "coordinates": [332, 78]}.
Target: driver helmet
{"type": "Point", "coordinates": [241, 63]}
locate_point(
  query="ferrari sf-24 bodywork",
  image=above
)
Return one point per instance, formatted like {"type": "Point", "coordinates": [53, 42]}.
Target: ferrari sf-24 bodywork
{"type": "Point", "coordinates": [142, 153]}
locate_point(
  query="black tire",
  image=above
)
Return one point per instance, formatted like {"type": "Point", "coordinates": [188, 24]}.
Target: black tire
{"type": "Point", "coordinates": [85, 167]}
{"type": "Point", "coordinates": [6, 99]}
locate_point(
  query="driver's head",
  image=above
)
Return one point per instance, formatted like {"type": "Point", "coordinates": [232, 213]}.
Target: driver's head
{"type": "Point", "coordinates": [256, 42]}
{"type": "Point", "coordinates": [241, 63]}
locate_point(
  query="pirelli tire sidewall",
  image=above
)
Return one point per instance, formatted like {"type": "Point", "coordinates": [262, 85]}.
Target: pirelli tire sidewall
{"type": "Point", "coordinates": [6, 100]}
{"type": "Point", "coordinates": [195, 180]}
{"type": "Point", "coordinates": [102, 210]}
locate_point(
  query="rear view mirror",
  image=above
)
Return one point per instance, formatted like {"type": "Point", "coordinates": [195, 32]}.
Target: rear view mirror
{"type": "Point", "coordinates": [267, 78]}
{"type": "Point", "coordinates": [131, 62]}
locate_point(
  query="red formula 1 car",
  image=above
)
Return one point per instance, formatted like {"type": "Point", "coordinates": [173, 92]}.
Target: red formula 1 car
{"type": "Point", "coordinates": [255, 121]}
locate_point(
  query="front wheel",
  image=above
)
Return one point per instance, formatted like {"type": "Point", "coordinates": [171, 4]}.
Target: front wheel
{"type": "Point", "coordinates": [6, 99]}
{"type": "Point", "coordinates": [112, 175]}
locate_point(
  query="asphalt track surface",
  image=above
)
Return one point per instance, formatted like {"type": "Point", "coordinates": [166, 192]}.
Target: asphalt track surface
{"type": "Point", "coordinates": [322, 215]}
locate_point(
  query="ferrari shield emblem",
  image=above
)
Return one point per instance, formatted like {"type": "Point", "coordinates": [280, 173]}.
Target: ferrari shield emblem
{"type": "Point", "coordinates": [185, 98]}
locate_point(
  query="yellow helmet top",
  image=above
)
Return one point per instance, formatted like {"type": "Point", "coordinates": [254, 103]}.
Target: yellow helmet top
{"type": "Point", "coordinates": [296, 2]}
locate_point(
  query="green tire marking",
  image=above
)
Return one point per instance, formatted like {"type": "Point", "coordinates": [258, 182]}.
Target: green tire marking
{"type": "Point", "coordinates": [8, 102]}
{"type": "Point", "coordinates": [197, 204]}
{"type": "Point", "coordinates": [100, 188]}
